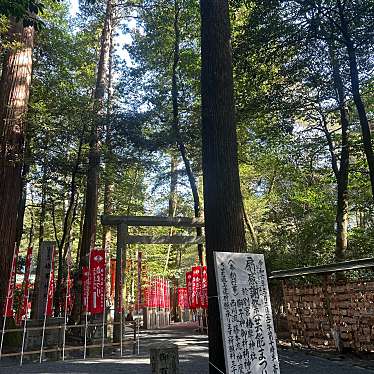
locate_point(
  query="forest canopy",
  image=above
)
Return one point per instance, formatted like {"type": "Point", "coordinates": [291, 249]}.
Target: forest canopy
{"type": "Point", "coordinates": [109, 122]}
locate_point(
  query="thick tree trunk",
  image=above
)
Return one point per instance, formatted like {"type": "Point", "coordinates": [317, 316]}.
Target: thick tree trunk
{"type": "Point", "coordinates": [14, 97]}
{"type": "Point", "coordinates": [355, 86]}
{"type": "Point", "coordinates": [176, 126]}
{"type": "Point", "coordinates": [224, 228]}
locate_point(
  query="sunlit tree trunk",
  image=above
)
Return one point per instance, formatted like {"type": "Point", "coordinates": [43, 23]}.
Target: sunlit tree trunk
{"type": "Point", "coordinates": [14, 97]}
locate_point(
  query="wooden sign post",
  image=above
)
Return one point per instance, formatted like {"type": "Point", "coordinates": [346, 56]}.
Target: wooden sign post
{"type": "Point", "coordinates": [246, 316]}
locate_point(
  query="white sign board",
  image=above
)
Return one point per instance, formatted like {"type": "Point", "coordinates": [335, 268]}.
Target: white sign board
{"type": "Point", "coordinates": [246, 316]}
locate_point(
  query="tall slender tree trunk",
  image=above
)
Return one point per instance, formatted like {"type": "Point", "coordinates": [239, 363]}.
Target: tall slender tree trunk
{"type": "Point", "coordinates": [343, 175]}
{"type": "Point", "coordinates": [14, 97]}
{"type": "Point", "coordinates": [172, 200]}
{"type": "Point", "coordinates": [22, 202]}
{"type": "Point", "coordinates": [90, 221]}
{"type": "Point", "coordinates": [176, 125]}
{"type": "Point", "coordinates": [108, 178]}
{"type": "Point", "coordinates": [42, 217]}
{"type": "Point", "coordinates": [90, 217]}
{"type": "Point", "coordinates": [357, 98]}
{"type": "Point", "coordinates": [250, 227]}
{"type": "Point", "coordinates": [69, 218]}
{"type": "Point", "coordinates": [224, 228]}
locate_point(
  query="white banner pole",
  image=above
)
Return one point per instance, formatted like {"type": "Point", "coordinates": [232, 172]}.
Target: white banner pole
{"type": "Point", "coordinates": [87, 300]}
{"type": "Point", "coordinates": [104, 304]}
{"type": "Point", "coordinates": [7, 303]}
{"type": "Point", "coordinates": [46, 305]}
{"type": "Point", "coordinates": [139, 296]}
{"type": "Point", "coordinates": [121, 318]}
{"type": "Point", "coordinates": [24, 325]}
{"type": "Point", "coordinates": [65, 313]}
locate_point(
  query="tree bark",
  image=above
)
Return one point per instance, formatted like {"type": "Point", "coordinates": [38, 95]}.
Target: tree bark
{"type": "Point", "coordinates": [172, 201]}
{"type": "Point", "coordinates": [42, 217]}
{"type": "Point", "coordinates": [224, 228]}
{"type": "Point", "coordinates": [251, 229]}
{"type": "Point", "coordinates": [91, 203]}
{"type": "Point", "coordinates": [22, 202]}
{"type": "Point", "coordinates": [108, 182]}
{"type": "Point", "coordinates": [355, 86]}
{"type": "Point", "coordinates": [176, 126]}
{"type": "Point", "coordinates": [69, 218]}
{"type": "Point", "coordinates": [343, 174]}
{"type": "Point", "coordinates": [14, 97]}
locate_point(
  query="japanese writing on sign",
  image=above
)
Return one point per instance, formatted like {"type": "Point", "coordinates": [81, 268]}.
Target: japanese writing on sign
{"type": "Point", "coordinates": [97, 281]}
{"type": "Point", "coordinates": [246, 316]}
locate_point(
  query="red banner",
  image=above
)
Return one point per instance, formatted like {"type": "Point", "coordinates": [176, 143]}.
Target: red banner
{"type": "Point", "coordinates": [182, 298]}
{"type": "Point", "coordinates": [139, 279]}
{"type": "Point", "coordinates": [196, 286]}
{"type": "Point", "coordinates": [204, 288]}
{"type": "Point", "coordinates": [68, 295]}
{"type": "Point", "coordinates": [97, 281]}
{"type": "Point", "coordinates": [85, 286]}
{"type": "Point", "coordinates": [51, 286]}
{"type": "Point", "coordinates": [112, 278]}
{"type": "Point", "coordinates": [26, 285]}
{"type": "Point", "coordinates": [189, 289]}
{"type": "Point", "coordinates": [167, 294]}
{"type": "Point", "coordinates": [11, 284]}
{"type": "Point", "coordinates": [162, 293]}
{"type": "Point", "coordinates": [146, 296]}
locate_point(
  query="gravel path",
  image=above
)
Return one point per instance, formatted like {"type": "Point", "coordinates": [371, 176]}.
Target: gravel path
{"type": "Point", "coordinates": [193, 359]}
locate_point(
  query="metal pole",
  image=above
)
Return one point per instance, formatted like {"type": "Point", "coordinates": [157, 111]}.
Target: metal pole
{"type": "Point", "coordinates": [65, 313]}
{"type": "Point", "coordinates": [139, 296]}
{"type": "Point", "coordinates": [7, 303]}
{"type": "Point", "coordinates": [24, 326]}
{"type": "Point", "coordinates": [87, 300]}
{"type": "Point", "coordinates": [46, 305]}
{"type": "Point", "coordinates": [104, 304]}
{"type": "Point", "coordinates": [122, 234]}
{"type": "Point", "coordinates": [121, 339]}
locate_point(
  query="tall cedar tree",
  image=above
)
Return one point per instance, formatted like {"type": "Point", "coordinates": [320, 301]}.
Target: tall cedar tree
{"type": "Point", "coordinates": [224, 226]}
{"type": "Point", "coordinates": [176, 125]}
{"type": "Point", "coordinates": [14, 97]}
{"type": "Point", "coordinates": [90, 217]}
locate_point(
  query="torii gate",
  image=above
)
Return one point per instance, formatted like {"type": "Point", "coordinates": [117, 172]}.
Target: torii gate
{"type": "Point", "coordinates": [123, 239]}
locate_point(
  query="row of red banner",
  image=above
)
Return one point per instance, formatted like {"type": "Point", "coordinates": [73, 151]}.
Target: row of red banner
{"type": "Point", "coordinates": [157, 293]}
{"type": "Point", "coordinates": [93, 286]}
{"type": "Point", "coordinates": [195, 294]}
{"type": "Point", "coordinates": [23, 303]}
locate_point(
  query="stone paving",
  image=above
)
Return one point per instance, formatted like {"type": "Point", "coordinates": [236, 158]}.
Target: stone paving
{"type": "Point", "coordinates": [193, 359]}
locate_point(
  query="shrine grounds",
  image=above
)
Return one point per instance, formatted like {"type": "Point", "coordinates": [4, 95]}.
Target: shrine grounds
{"type": "Point", "coordinates": [193, 352]}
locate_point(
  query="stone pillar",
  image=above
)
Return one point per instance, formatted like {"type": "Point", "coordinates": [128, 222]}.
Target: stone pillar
{"type": "Point", "coordinates": [164, 358]}
{"type": "Point", "coordinates": [42, 279]}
